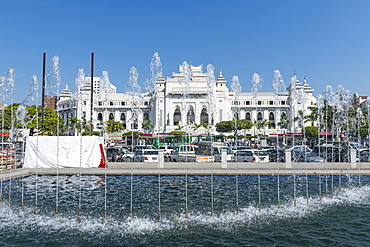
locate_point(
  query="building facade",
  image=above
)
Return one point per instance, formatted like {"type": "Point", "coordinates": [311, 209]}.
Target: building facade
{"type": "Point", "coordinates": [199, 100]}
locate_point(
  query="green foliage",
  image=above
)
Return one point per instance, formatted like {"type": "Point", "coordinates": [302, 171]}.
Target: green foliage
{"type": "Point", "coordinates": [147, 125]}
{"type": "Point", "coordinates": [225, 126]}
{"type": "Point", "coordinates": [130, 133]}
{"type": "Point", "coordinates": [311, 131]}
{"type": "Point", "coordinates": [114, 126]}
{"type": "Point", "coordinates": [178, 133]}
{"type": "Point", "coordinates": [32, 119]}
{"type": "Point", "coordinates": [233, 125]}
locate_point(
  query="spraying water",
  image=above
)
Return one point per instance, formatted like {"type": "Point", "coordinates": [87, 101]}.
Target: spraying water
{"type": "Point", "coordinates": [278, 84]}
{"type": "Point", "coordinates": [256, 85]}
{"type": "Point", "coordinates": [156, 71]}
{"type": "Point", "coordinates": [211, 96]}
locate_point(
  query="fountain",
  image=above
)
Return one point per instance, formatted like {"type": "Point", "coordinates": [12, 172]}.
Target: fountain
{"type": "Point", "coordinates": [278, 84]}
{"type": "Point", "coordinates": [148, 207]}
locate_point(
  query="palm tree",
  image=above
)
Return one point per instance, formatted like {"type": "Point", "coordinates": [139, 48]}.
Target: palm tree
{"type": "Point", "coordinates": [195, 126]}
{"type": "Point", "coordinates": [312, 117]}
{"type": "Point", "coordinates": [284, 122]}
{"type": "Point", "coordinates": [207, 126]}
{"type": "Point", "coordinates": [146, 125]}
{"type": "Point", "coordinates": [263, 125]}
{"type": "Point", "coordinates": [179, 127]}
{"type": "Point", "coordinates": [74, 125]}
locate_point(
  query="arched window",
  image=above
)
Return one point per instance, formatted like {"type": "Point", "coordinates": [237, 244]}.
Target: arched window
{"type": "Point", "coordinates": [236, 115]}
{"type": "Point", "coordinates": [123, 120]}
{"type": "Point", "coordinates": [248, 116]}
{"type": "Point", "coordinates": [190, 116]}
{"type": "Point", "coordinates": [176, 116]}
{"type": "Point", "coordinates": [100, 117]}
{"type": "Point", "coordinates": [259, 116]}
{"type": "Point", "coordinates": [283, 115]}
{"type": "Point", "coordinates": [146, 116]}
{"type": "Point", "coordinates": [271, 117]}
{"type": "Point", "coordinates": [204, 116]}
{"type": "Point", "coordinates": [111, 116]}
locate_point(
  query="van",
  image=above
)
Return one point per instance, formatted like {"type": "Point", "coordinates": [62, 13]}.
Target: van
{"type": "Point", "coordinates": [252, 155]}
{"type": "Point", "coordinates": [183, 153]}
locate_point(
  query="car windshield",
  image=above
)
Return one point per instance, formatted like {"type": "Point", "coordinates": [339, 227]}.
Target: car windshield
{"type": "Point", "coordinates": [228, 150]}
{"type": "Point", "coordinates": [151, 152]}
{"type": "Point", "coordinates": [260, 153]}
{"type": "Point", "coordinates": [310, 154]}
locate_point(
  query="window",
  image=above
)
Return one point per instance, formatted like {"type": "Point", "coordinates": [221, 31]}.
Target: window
{"type": "Point", "coordinates": [259, 102]}
{"type": "Point", "coordinates": [123, 103]}
{"type": "Point", "coordinates": [248, 116]}
{"type": "Point", "coordinates": [146, 116]}
{"type": "Point", "coordinates": [111, 103]}
{"type": "Point", "coordinates": [271, 102]}
{"type": "Point", "coordinates": [100, 117]}
{"type": "Point", "coordinates": [271, 117]}
{"type": "Point", "coordinates": [247, 102]}
{"type": "Point", "coordinates": [100, 103]}
{"type": "Point", "coordinates": [146, 103]}
{"type": "Point", "coordinates": [259, 116]}
{"type": "Point", "coordinates": [111, 116]}
{"type": "Point", "coordinates": [283, 102]}
{"type": "Point", "coordinates": [85, 102]}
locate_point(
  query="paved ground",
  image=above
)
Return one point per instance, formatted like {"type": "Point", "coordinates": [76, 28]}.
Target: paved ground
{"type": "Point", "coordinates": [172, 168]}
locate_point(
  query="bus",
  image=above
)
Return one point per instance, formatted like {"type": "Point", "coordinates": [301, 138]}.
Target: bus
{"type": "Point", "coordinates": [176, 140]}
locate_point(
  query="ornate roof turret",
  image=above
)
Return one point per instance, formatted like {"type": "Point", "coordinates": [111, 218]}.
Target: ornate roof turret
{"type": "Point", "coordinates": [66, 93]}
{"type": "Point", "coordinates": [221, 78]}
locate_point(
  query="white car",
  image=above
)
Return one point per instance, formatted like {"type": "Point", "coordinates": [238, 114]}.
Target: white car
{"type": "Point", "coordinates": [167, 150]}
{"type": "Point", "coordinates": [146, 155]}
{"type": "Point", "coordinates": [252, 155]}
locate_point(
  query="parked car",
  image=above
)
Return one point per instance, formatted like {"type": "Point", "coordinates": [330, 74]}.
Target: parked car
{"type": "Point", "coordinates": [299, 147]}
{"type": "Point", "coordinates": [364, 156]}
{"type": "Point", "coordinates": [266, 148]}
{"type": "Point", "coordinates": [276, 155]}
{"type": "Point", "coordinates": [127, 156]}
{"type": "Point", "coordinates": [306, 156]}
{"type": "Point", "coordinates": [218, 150]}
{"type": "Point", "coordinates": [167, 150]}
{"type": "Point", "coordinates": [238, 148]}
{"type": "Point", "coordinates": [332, 153]}
{"type": "Point", "coordinates": [183, 153]}
{"type": "Point", "coordinates": [252, 155]}
{"type": "Point", "coordinates": [146, 155]}
{"type": "Point", "coordinates": [114, 154]}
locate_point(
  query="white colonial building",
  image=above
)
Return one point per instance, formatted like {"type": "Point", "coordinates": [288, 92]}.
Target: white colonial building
{"type": "Point", "coordinates": [173, 103]}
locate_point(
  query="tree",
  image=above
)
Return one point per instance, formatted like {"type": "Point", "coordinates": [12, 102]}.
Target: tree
{"type": "Point", "coordinates": [74, 124]}
{"type": "Point", "coordinates": [179, 127]}
{"type": "Point", "coordinates": [207, 126]}
{"type": "Point", "coordinates": [146, 125]}
{"type": "Point", "coordinates": [312, 135]}
{"type": "Point", "coordinates": [312, 117]}
{"type": "Point", "coordinates": [263, 124]}
{"type": "Point", "coordinates": [284, 122]}
{"type": "Point", "coordinates": [195, 126]}
{"type": "Point", "coordinates": [225, 126]}
{"type": "Point", "coordinates": [114, 126]}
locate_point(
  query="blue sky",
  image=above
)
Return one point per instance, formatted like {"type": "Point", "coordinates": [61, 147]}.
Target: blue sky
{"type": "Point", "coordinates": [326, 41]}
